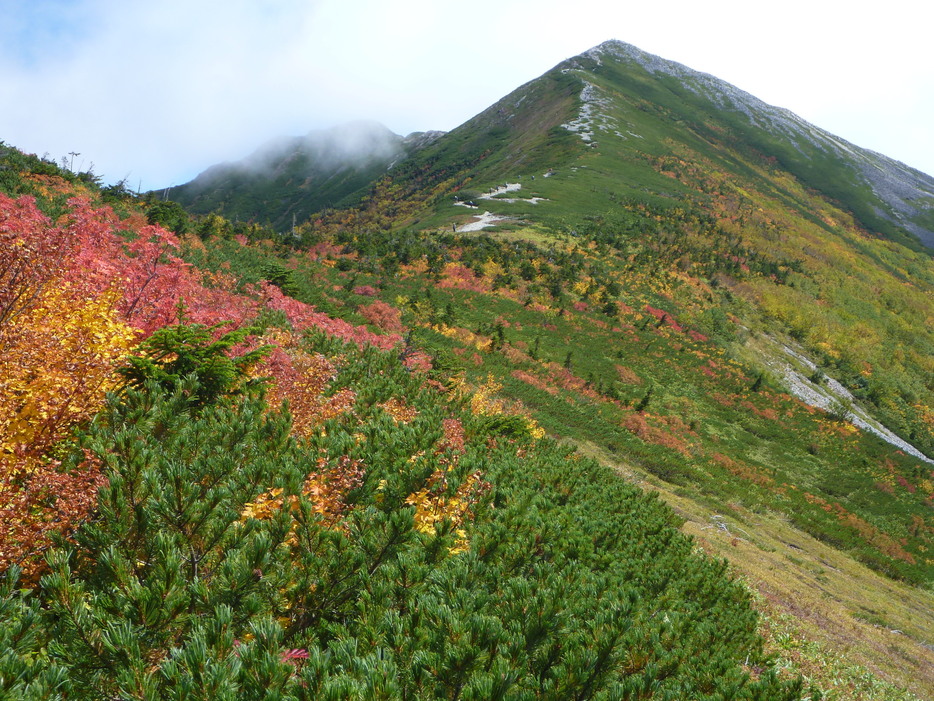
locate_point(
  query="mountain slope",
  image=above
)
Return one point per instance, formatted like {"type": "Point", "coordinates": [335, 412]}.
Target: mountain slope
{"type": "Point", "coordinates": [288, 510]}
{"type": "Point", "coordinates": [614, 97]}
{"type": "Point", "coordinates": [660, 274]}
{"type": "Point", "coordinates": [291, 178]}
{"type": "Point", "coordinates": [882, 192]}
{"type": "Point", "coordinates": [636, 300]}
{"type": "Point", "coordinates": [653, 295]}
{"type": "Point", "coordinates": [781, 216]}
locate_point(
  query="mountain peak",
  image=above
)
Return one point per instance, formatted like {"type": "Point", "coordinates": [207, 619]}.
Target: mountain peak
{"type": "Point", "coordinates": [622, 50]}
{"type": "Point", "coordinates": [903, 194]}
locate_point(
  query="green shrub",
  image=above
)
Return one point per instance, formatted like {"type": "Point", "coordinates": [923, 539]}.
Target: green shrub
{"type": "Point", "coordinates": [173, 353]}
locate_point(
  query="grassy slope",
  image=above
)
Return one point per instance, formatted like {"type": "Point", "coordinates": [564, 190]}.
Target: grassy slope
{"type": "Point", "coordinates": [664, 200]}
{"type": "Point", "coordinates": [826, 616]}
{"type": "Point", "coordinates": [601, 563]}
{"type": "Point", "coordinates": [694, 220]}
{"type": "Point", "coordinates": [705, 442]}
{"type": "Point", "coordinates": [859, 302]}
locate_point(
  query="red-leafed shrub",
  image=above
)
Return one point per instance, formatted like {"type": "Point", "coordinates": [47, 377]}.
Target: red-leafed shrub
{"type": "Point", "coordinates": [301, 378]}
{"type": "Point", "coordinates": [383, 316]}
{"type": "Point", "coordinates": [303, 316]}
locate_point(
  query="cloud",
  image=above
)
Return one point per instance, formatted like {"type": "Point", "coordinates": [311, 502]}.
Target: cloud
{"type": "Point", "coordinates": [160, 91]}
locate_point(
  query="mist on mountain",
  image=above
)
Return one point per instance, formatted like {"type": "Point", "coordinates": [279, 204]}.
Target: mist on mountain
{"type": "Point", "coordinates": [289, 178]}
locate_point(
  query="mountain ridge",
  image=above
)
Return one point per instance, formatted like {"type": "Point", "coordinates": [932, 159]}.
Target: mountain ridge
{"type": "Point", "coordinates": [895, 183]}
{"type": "Point", "coordinates": [887, 196]}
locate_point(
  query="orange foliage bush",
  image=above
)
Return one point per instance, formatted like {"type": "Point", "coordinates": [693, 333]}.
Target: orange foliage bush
{"type": "Point", "coordinates": [399, 411]}
{"type": "Point", "coordinates": [301, 378]}
{"type": "Point", "coordinates": [58, 360]}
{"type": "Point", "coordinates": [416, 360]}
{"type": "Point", "coordinates": [627, 375]}
{"type": "Point", "coordinates": [454, 436]}
{"type": "Point", "coordinates": [383, 316]}
{"type": "Point", "coordinates": [434, 506]}
{"type": "Point", "coordinates": [534, 381]}
{"type": "Point", "coordinates": [326, 489]}
{"type": "Point", "coordinates": [638, 424]}
{"type": "Point", "coordinates": [47, 502]}
{"type": "Point", "coordinates": [742, 470]}
{"type": "Point", "coordinates": [59, 348]}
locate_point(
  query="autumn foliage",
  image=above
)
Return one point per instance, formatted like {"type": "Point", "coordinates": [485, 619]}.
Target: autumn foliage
{"type": "Point", "coordinates": [325, 489]}
{"type": "Point", "coordinates": [61, 338]}
{"type": "Point", "coordinates": [76, 297]}
{"type": "Point", "coordinates": [299, 379]}
{"type": "Point", "coordinates": [383, 316]}
{"type": "Point", "coordinates": [257, 509]}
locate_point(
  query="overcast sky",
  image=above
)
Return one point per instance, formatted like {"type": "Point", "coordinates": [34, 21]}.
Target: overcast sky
{"type": "Point", "coordinates": [155, 92]}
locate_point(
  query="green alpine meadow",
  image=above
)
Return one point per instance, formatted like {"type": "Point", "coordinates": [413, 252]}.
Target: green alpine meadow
{"type": "Point", "coordinates": [621, 390]}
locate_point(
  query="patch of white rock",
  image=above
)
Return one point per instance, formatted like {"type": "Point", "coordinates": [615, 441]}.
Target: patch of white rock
{"type": "Point", "coordinates": [488, 218]}
{"type": "Point", "coordinates": [593, 114]}
{"type": "Point", "coordinates": [828, 395]}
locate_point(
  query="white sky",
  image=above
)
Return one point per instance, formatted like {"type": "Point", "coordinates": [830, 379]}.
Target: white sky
{"type": "Point", "coordinates": [155, 92]}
